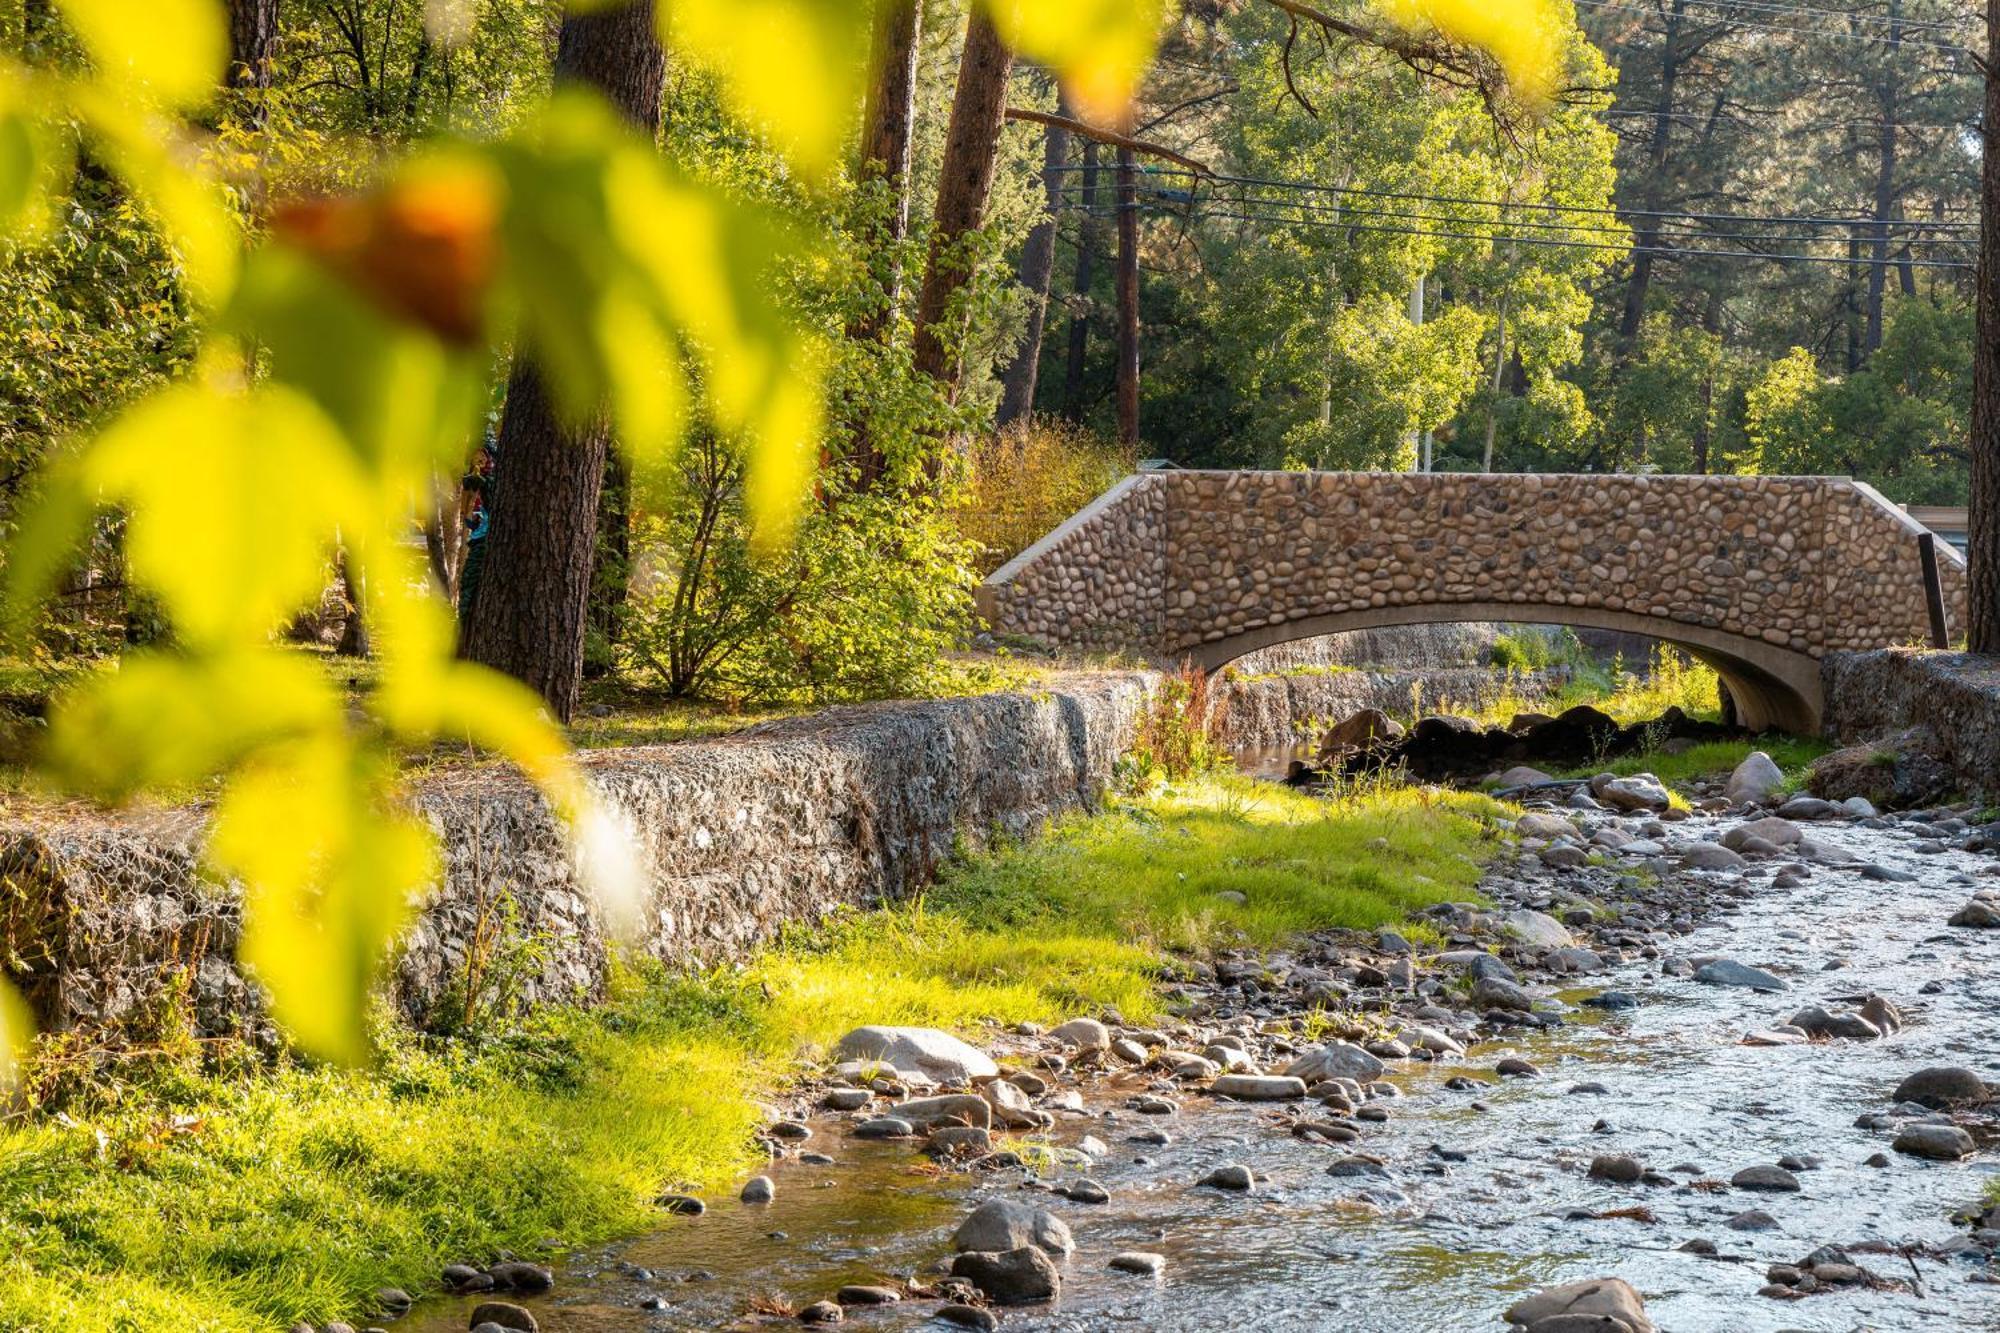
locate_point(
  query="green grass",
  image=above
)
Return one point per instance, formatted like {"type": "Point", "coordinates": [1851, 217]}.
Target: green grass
{"type": "Point", "coordinates": [1793, 754]}
{"type": "Point", "coordinates": [249, 1200]}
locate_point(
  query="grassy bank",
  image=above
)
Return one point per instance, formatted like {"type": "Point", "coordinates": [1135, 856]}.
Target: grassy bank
{"type": "Point", "coordinates": [246, 1201]}
{"type": "Point", "coordinates": [1793, 754]}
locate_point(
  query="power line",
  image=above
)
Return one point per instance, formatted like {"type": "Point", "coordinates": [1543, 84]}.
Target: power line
{"type": "Point", "coordinates": [1313, 187]}
{"type": "Point", "coordinates": [1549, 242]}
{"type": "Point", "coordinates": [1819, 11]}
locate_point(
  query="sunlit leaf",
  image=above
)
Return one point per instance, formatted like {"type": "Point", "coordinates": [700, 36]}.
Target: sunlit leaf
{"type": "Point", "coordinates": [160, 720]}
{"type": "Point", "coordinates": [648, 398]}
{"type": "Point", "coordinates": [17, 1028]}
{"type": "Point", "coordinates": [1101, 48]}
{"type": "Point", "coordinates": [174, 50]}
{"type": "Point", "coordinates": [329, 870]}
{"type": "Point", "coordinates": [785, 437]}
{"type": "Point", "coordinates": [235, 499]}
{"type": "Point", "coordinates": [192, 209]}
{"type": "Point", "coordinates": [1525, 36]}
{"type": "Point", "coordinates": [792, 66]}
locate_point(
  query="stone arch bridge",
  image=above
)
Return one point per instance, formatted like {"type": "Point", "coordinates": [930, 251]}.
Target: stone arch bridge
{"type": "Point", "coordinates": [1758, 576]}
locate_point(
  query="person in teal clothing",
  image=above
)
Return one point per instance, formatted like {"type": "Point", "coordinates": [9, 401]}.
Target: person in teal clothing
{"type": "Point", "coordinates": [473, 514]}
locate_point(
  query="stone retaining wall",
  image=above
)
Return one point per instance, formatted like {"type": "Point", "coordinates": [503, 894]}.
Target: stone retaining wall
{"type": "Point", "coordinates": [1264, 713]}
{"type": "Point", "coordinates": [785, 823]}
{"type": "Point", "coordinates": [1956, 696]}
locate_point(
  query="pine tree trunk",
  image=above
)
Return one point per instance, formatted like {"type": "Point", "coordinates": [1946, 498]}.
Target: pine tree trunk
{"type": "Point", "coordinates": [1038, 266]}
{"type": "Point", "coordinates": [965, 184]}
{"type": "Point", "coordinates": [1983, 540]}
{"type": "Point", "coordinates": [1128, 298]}
{"type": "Point", "coordinates": [253, 42]}
{"type": "Point", "coordinates": [885, 141]}
{"type": "Point", "coordinates": [528, 613]}
{"type": "Point", "coordinates": [1499, 375]}
{"type": "Point", "coordinates": [1885, 185]}
{"type": "Point", "coordinates": [1646, 236]}
{"type": "Point", "coordinates": [1086, 264]}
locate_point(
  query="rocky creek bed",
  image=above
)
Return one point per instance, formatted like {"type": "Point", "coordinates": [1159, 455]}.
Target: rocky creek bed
{"type": "Point", "coordinates": [1670, 1052]}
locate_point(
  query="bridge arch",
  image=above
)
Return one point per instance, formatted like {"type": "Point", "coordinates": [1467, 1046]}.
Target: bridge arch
{"type": "Point", "coordinates": [1758, 576]}
{"type": "Point", "coordinates": [1773, 688]}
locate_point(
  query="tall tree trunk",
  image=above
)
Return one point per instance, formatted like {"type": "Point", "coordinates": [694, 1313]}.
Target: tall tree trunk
{"type": "Point", "coordinates": [1086, 265]}
{"type": "Point", "coordinates": [1983, 538]}
{"type": "Point", "coordinates": [1499, 374]}
{"type": "Point", "coordinates": [354, 632]}
{"type": "Point", "coordinates": [1128, 298]}
{"type": "Point", "coordinates": [1885, 182]}
{"type": "Point", "coordinates": [1038, 266]}
{"type": "Point", "coordinates": [965, 183]}
{"type": "Point", "coordinates": [253, 43]}
{"type": "Point", "coordinates": [1646, 237]}
{"type": "Point", "coordinates": [885, 142]}
{"type": "Point", "coordinates": [611, 567]}
{"type": "Point", "coordinates": [528, 613]}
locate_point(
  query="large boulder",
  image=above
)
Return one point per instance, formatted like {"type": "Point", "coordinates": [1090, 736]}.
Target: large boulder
{"type": "Point", "coordinates": [1943, 1086]}
{"type": "Point", "coordinates": [938, 1055]}
{"type": "Point", "coordinates": [1755, 781]}
{"type": "Point", "coordinates": [1336, 1059]}
{"type": "Point", "coordinates": [1368, 729]}
{"type": "Point", "coordinates": [1538, 824]}
{"type": "Point", "coordinates": [1009, 1224]}
{"type": "Point", "coordinates": [1020, 1276]}
{"type": "Point", "coordinates": [1608, 1304]}
{"type": "Point", "coordinates": [1575, 736]}
{"type": "Point", "coordinates": [1778, 832]}
{"type": "Point", "coordinates": [1537, 928]}
{"type": "Point", "coordinates": [1641, 791]}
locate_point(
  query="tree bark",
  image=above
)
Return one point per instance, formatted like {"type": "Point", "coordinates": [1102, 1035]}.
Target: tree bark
{"type": "Point", "coordinates": [1128, 298]}
{"type": "Point", "coordinates": [1038, 266]}
{"type": "Point", "coordinates": [253, 43]}
{"type": "Point", "coordinates": [1646, 236]}
{"type": "Point", "coordinates": [885, 141]}
{"type": "Point", "coordinates": [965, 184]}
{"type": "Point", "coordinates": [528, 613]}
{"type": "Point", "coordinates": [1086, 264]}
{"type": "Point", "coordinates": [1983, 538]}
{"type": "Point", "coordinates": [1499, 374]}
{"type": "Point", "coordinates": [1885, 182]}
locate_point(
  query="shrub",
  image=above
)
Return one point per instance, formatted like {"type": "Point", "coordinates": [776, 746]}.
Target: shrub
{"type": "Point", "coordinates": [1023, 482]}
{"type": "Point", "coordinates": [863, 604]}
{"type": "Point", "coordinates": [1179, 735]}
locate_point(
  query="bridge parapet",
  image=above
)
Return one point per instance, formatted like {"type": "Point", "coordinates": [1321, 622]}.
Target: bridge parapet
{"type": "Point", "coordinates": [1760, 575]}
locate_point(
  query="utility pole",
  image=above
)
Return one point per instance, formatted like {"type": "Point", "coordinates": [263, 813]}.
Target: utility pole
{"type": "Point", "coordinates": [1128, 298]}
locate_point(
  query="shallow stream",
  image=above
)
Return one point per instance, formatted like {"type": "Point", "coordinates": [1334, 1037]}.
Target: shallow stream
{"type": "Point", "coordinates": [1448, 1244]}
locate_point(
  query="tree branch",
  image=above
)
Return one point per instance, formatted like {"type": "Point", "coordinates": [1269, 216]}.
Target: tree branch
{"type": "Point", "coordinates": [1112, 137]}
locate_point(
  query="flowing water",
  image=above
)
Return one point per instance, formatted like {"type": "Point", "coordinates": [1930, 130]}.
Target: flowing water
{"type": "Point", "coordinates": [1448, 1243]}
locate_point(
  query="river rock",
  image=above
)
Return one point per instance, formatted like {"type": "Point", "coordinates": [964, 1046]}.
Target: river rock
{"type": "Point", "coordinates": [969, 1316]}
{"type": "Point", "coordinates": [1771, 829]}
{"type": "Point", "coordinates": [1564, 856]}
{"type": "Point", "coordinates": [1020, 1276]}
{"type": "Point", "coordinates": [1942, 1086]}
{"type": "Point", "coordinates": [1710, 856]}
{"type": "Point", "coordinates": [1231, 1177]}
{"type": "Point", "coordinates": [758, 1189]}
{"type": "Point", "coordinates": [1940, 1143]}
{"type": "Point", "coordinates": [1535, 824]}
{"type": "Point", "coordinates": [1754, 781]}
{"type": "Point", "coordinates": [822, 1312]}
{"type": "Point", "coordinates": [1009, 1224]}
{"type": "Point", "coordinates": [505, 1315]}
{"type": "Point", "coordinates": [958, 1108]}
{"type": "Point", "coordinates": [1979, 913]}
{"type": "Point", "coordinates": [1729, 972]}
{"type": "Point", "coordinates": [1522, 776]}
{"type": "Point", "coordinates": [959, 1141]}
{"type": "Point", "coordinates": [1641, 791]}
{"type": "Point", "coordinates": [1336, 1059]}
{"type": "Point", "coordinates": [1259, 1087]}
{"type": "Point", "coordinates": [846, 1099]}
{"type": "Point", "coordinates": [1493, 993]}
{"type": "Point", "coordinates": [1810, 807]}
{"type": "Point", "coordinates": [1820, 1022]}
{"type": "Point", "coordinates": [1085, 1034]}
{"type": "Point", "coordinates": [1607, 1304]}
{"type": "Point", "coordinates": [1140, 1262]}
{"type": "Point", "coordinates": [886, 1127]}
{"type": "Point", "coordinates": [1359, 731]}
{"type": "Point", "coordinates": [938, 1055]}
{"type": "Point", "coordinates": [1619, 1170]}
{"type": "Point", "coordinates": [864, 1294]}
{"type": "Point", "coordinates": [528, 1279]}
{"type": "Point", "coordinates": [1770, 1179]}
{"type": "Point", "coordinates": [1537, 928]}
{"type": "Point", "coordinates": [1010, 1106]}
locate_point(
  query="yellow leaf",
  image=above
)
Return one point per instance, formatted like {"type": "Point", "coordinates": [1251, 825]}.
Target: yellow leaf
{"type": "Point", "coordinates": [642, 367]}
{"type": "Point", "coordinates": [329, 873]}
{"type": "Point", "coordinates": [159, 720]}
{"type": "Point", "coordinates": [793, 66]}
{"type": "Point", "coordinates": [176, 50]}
{"type": "Point", "coordinates": [1525, 36]}
{"type": "Point", "coordinates": [1101, 48]}
{"type": "Point", "coordinates": [783, 458]}
{"type": "Point", "coordinates": [17, 1028]}
{"type": "Point", "coordinates": [235, 500]}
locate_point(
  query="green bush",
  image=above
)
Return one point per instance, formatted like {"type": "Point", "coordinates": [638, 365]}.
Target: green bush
{"type": "Point", "coordinates": [864, 604]}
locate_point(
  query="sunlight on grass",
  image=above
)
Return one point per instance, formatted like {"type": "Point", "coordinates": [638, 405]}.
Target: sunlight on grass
{"type": "Point", "coordinates": [249, 1201]}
